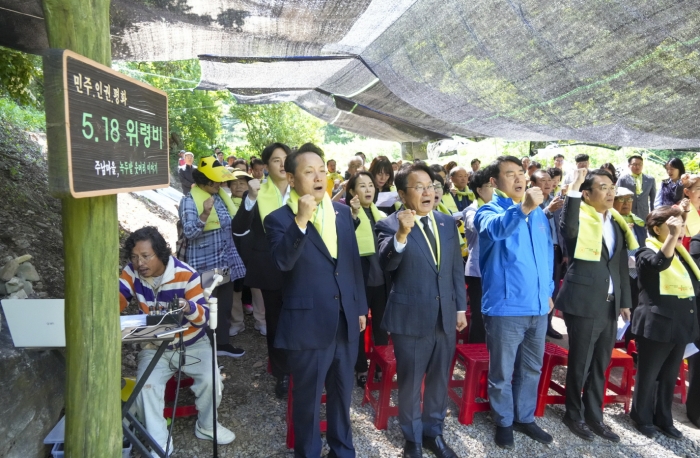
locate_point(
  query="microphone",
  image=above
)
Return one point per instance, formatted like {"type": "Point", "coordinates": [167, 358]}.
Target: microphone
{"type": "Point", "coordinates": [216, 280]}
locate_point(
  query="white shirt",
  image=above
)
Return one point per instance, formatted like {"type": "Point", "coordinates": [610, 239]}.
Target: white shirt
{"type": "Point", "coordinates": [608, 232]}
{"type": "Point", "coordinates": [399, 247]}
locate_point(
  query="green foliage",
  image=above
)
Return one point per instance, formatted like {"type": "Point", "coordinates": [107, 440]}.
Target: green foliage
{"type": "Point", "coordinates": [21, 77]}
{"type": "Point", "coordinates": [194, 116]}
{"type": "Point", "coordinates": [282, 122]}
{"type": "Point", "coordinates": [334, 134]}
{"type": "Point", "coordinates": [26, 118]}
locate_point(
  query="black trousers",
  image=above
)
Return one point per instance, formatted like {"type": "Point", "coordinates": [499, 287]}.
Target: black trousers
{"type": "Point", "coordinates": [557, 274]}
{"type": "Point", "coordinates": [591, 341]}
{"type": "Point", "coordinates": [311, 371]}
{"type": "Point", "coordinates": [634, 290]}
{"type": "Point", "coordinates": [416, 357]}
{"type": "Point", "coordinates": [224, 295]}
{"type": "Point", "coordinates": [376, 300]}
{"type": "Point", "coordinates": [273, 308]}
{"type": "Point", "coordinates": [656, 362]}
{"type": "Point", "coordinates": [477, 332]}
{"type": "Point", "coordinates": [692, 402]}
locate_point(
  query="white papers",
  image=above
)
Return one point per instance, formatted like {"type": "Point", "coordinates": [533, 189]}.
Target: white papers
{"type": "Point", "coordinates": [622, 326]}
{"type": "Point", "coordinates": [132, 321]}
{"type": "Point", "coordinates": [387, 199]}
{"type": "Point", "coordinates": [690, 350]}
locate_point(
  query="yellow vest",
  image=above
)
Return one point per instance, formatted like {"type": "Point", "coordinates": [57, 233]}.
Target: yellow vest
{"type": "Point", "coordinates": [199, 196]}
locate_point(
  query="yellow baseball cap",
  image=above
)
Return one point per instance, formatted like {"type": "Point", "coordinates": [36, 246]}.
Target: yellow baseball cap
{"type": "Point", "coordinates": [212, 169]}
{"type": "Point", "coordinates": [241, 174]}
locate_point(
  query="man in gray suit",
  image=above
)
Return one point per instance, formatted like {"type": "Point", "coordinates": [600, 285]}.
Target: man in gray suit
{"type": "Point", "coordinates": [596, 290]}
{"type": "Point", "coordinates": [643, 187]}
{"type": "Point", "coordinates": [420, 249]}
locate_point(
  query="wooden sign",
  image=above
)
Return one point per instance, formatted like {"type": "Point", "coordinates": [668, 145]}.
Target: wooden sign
{"type": "Point", "coordinates": [107, 133]}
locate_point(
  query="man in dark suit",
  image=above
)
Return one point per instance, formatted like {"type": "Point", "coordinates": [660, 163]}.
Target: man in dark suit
{"type": "Point", "coordinates": [420, 249]}
{"type": "Point", "coordinates": [185, 173]}
{"type": "Point", "coordinates": [261, 271]}
{"type": "Point", "coordinates": [642, 186]}
{"type": "Point", "coordinates": [312, 242]}
{"type": "Point", "coordinates": [596, 290]}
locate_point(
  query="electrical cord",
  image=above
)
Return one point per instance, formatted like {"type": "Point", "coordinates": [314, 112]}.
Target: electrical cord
{"type": "Point", "coordinates": [140, 329]}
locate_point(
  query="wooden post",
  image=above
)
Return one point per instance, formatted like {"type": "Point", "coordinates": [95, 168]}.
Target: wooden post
{"type": "Point", "coordinates": [91, 252]}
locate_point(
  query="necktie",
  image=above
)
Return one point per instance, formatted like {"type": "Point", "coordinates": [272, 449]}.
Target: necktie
{"type": "Point", "coordinates": [429, 233]}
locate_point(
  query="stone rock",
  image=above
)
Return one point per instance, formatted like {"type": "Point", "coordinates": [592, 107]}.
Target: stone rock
{"type": "Point", "coordinates": [22, 243]}
{"type": "Point", "coordinates": [15, 284]}
{"type": "Point", "coordinates": [26, 271]}
{"type": "Point", "coordinates": [21, 294]}
{"type": "Point", "coordinates": [24, 258]}
{"type": "Point", "coordinates": [43, 295]}
{"type": "Point", "coordinates": [27, 287]}
{"type": "Point", "coordinates": [39, 286]}
{"type": "Point", "coordinates": [31, 398]}
{"type": "Point", "coordinates": [8, 270]}
{"type": "Point", "coordinates": [3, 290]}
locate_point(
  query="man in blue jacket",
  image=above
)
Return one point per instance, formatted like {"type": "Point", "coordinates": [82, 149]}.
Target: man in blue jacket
{"type": "Point", "coordinates": [312, 241]}
{"type": "Point", "coordinates": [516, 251]}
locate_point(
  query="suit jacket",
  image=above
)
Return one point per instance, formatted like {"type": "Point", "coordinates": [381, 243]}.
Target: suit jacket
{"type": "Point", "coordinates": [663, 318]}
{"type": "Point", "coordinates": [643, 203]}
{"type": "Point", "coordinates": [186, 180]}
{"type": "Point", "coordinates": [261, 270]}
{"type": "Point", "coordinates": [418, 289]}
{"type": "Point", "coordinates": [315, 286]}
{"type": "Point", "coordinates": [586, 283]}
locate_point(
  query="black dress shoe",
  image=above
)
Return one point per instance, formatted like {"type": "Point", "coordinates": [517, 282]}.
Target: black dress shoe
{"type": "Point", "coordinates": [504, 437]}
{"type": "Point", "coordinates": [282, 387]}
{"type": "Point", "coordinates": [603, 430]}
{"type": "Point", "coordinates": [648, 430]}
{"type": "Point", "coordinates": [579, 428]}
{"type": "Point", "coordinates": [438, 446]}
{"type": "Point", "coordinates": [670, 431]}
{"type": "Point", "coordinates": [362, 380]}
{"type": "Point", "coordinates": [534, 431]}
{"type": "Point", "coordinates": [554, 334]}
{"type": "Point", "coordinates": [412, 450]}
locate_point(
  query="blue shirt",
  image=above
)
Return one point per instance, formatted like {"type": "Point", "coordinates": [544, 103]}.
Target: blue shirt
{"type": "Point", "coordinates": [211, 249]}
{"type": "Point", "coordinates": [516, 257]}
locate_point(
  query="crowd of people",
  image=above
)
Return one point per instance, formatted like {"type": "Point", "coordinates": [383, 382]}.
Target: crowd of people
{"type": "Point", "coordinates": [316, 255]}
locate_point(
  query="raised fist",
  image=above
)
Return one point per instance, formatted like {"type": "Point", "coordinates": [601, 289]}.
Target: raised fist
{"type": "Point", "coordinates": [253, 188]}
{"type": "Point", "coordinates": [407, 219]}
{"type": "Point", "coordinates": [532, 199]}
{"type": "Point", "coordinates": [307, 206]}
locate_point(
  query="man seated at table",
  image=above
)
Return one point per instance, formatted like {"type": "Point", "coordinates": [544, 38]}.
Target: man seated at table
{"type": "Point", "coordinates": [153, 276]}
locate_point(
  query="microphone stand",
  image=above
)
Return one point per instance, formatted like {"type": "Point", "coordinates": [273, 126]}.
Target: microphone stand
{"type": "Point", "coordinates": [213, 321]}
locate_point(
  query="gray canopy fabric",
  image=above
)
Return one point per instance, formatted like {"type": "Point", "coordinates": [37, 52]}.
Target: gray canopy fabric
{"type": "Point", "coordinates": [620, 72]}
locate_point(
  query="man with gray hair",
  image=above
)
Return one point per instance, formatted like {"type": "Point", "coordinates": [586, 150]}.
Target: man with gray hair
{"type": "Point", "coordinates": [185, 173]}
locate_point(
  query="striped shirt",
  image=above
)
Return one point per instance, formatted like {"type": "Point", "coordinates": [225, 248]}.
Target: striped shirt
{"type": "Point", "coordinates": [211, 249]}
{"type": "Point", "coordinates": [179, 280]}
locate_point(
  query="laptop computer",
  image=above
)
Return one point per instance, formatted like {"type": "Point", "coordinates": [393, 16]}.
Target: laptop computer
{"type": "Point", "coordinates": [36, 323]}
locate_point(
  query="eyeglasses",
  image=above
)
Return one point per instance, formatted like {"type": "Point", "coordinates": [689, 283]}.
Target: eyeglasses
{"type": "Point", "coordinates": [420, 188]}
{"type": "Point", "coordinates": [138, 259]}
{"type": "Point", "coordinates": [625, 200]}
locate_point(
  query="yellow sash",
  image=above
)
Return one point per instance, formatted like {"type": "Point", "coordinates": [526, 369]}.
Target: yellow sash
{"type": "Point", "coordinates": [449, 202]}
{"type": "Point", "coordinates": [466, 193]}
{"type": "Point", "coordinates": [675, 281]}
{"type": "Point", "coordinates": [589, 245]}
{"type": "Point", "coordinates": [269, 199]}
{"type": "Point", "coordinates": [364, 234]}
{"type": "Point", "coordinates": [323, 221]}
{"type": "Point", "coordinates": [638, 183]}
{"type": "Point", "coordinates": [443, 209]}
{"type": "Point", "coordinates": [692, 222]}
{"type": "Point", "coordinates": [419, 223]}
{"type": "Point", "coordinates": [199, 196]}
{"type": "Point", "coordinates": [236, 203]}
{"type": "Point", "coordinates": [633, 219]}
{"type": "Point", "coordinates": [330, 181]}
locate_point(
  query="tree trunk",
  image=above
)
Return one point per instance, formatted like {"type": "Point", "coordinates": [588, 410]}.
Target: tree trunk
{"type": "Point", "coordinates": [91, 244]}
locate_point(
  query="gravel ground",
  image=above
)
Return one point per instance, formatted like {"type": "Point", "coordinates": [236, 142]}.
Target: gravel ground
{"type": "Point", "coordinates": [251, 410]}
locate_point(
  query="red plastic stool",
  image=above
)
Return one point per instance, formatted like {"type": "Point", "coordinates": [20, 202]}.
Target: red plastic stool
{"type": "Point", "coordinates": [382, 357]}
{"type": "Point", "coordinates": [623, 391]}
{"type": "Point", "coordinates": [554, 356]}
{"type": "Point", "coordinates": [180, 411]}
{"type": "Point", "coordinates": [290, 420]}
{"type": "Point", "coordinates": [475, 359]}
